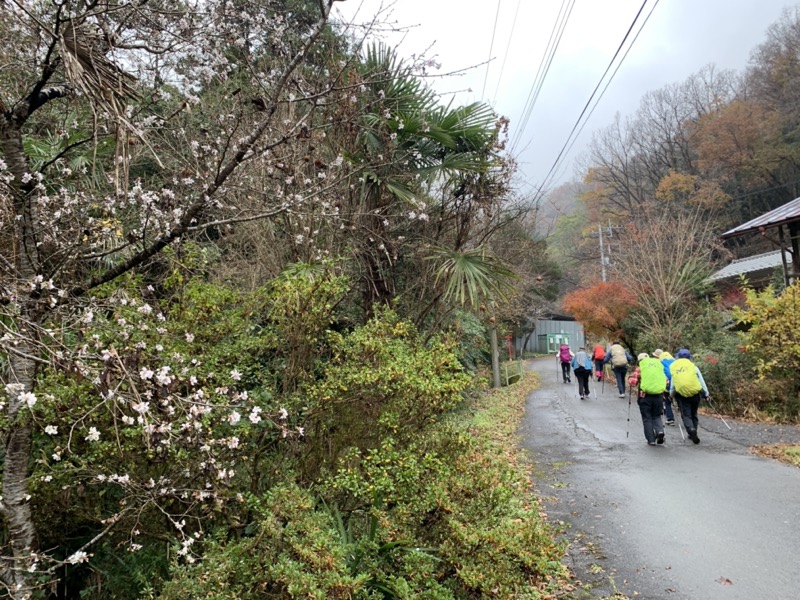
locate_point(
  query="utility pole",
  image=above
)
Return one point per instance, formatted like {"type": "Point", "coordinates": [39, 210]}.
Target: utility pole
{"type": "Point", "coordinates": [604, 260]}
{"type": "Point", "coordinates": [602, 253]}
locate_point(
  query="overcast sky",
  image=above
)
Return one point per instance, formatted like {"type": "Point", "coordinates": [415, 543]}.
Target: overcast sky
{"type": "Point", "coordinates": [680, 37]}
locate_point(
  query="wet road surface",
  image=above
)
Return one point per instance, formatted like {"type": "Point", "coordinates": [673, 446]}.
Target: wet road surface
{"type": "Point", "coordinates": [678, 521]}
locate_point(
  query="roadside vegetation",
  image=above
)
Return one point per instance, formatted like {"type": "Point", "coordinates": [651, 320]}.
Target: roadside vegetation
{"type": "Point", "coordinates": [250, 265]}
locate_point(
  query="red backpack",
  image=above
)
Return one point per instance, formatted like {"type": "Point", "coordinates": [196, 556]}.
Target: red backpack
{"type": "Point", "coordinates": [599, 352]}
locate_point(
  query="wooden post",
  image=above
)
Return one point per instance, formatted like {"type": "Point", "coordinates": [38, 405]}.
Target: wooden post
{"type": "Point", "coordinates": [495, 358]}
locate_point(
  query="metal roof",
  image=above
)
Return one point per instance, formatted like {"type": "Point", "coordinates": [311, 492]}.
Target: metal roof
{"type": "Point", "coordinates": [788, 213]}
{"type": "Point", "coordinates": [751, 264]}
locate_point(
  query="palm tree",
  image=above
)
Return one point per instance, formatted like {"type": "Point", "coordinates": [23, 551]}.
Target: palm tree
{"type": "Point", "coordinates": [409, 146]}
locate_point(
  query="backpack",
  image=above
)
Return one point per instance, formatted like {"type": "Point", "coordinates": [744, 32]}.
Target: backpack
{"type": "Point", "coordinates": [618, 357]}
{"type": "Point", "coordinates": [653, 380]}
{"type": "Point", "coordinates": [564, 354]}
{"type": "Point", "coordinates": [599, 352]}
{"type": "Point", "coordinates": [684, 378]}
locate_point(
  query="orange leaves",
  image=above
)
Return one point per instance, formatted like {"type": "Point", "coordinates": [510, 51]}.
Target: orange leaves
{"type": "Point", "coordinates": [682, 187]}
{"type": "Point", "coordinates": [602, 307]}
{"type": "Point", "coordinates": [737, 141]}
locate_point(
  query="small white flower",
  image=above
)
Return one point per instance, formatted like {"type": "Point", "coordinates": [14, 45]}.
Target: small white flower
{"type": "Point", "coordinates": [79, 557]}
{"type": "Point", "coordinates": [93, 435]}
{"type": "Point", "coordinates": [190, 337]}
{"type": "Point", "coordinates": [234, 418]}
{"type": "Point", "coordinates": [255, 415]}
{"type": "Point", "coordinates": [283, 414]}
{"type": "Point", "coordinates": [146, 373]}
{"type": "Point", "coordinates": [56, 456]}
{"type": "Point", "coordinates": [28, 398]}
{"type": "Point", "coordinates": [51, 430]}
{"type": "Point", "coordinates": [141, 407]}
{"type": "Point", "coordinates": [233, 442]}
{"type": "Point", "coordinates": [236, 375]}
{"type": "Point", "coordinates": [47, 478]}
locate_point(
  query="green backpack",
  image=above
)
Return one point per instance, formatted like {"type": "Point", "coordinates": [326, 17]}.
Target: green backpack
{"type": "Point", "coordinates": [684, 378]}
{"type": "Point", "coordinates": [653, 380]}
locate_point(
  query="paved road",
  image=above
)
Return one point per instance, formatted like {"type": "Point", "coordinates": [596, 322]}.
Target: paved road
{"type": "Point", "coordinates": [674, 522]}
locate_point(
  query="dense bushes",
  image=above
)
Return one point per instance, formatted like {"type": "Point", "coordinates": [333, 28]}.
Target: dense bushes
{"type": "Point", "coordinates": [218, 460]}
{"type": "Point", "coordinates": [446, 516]}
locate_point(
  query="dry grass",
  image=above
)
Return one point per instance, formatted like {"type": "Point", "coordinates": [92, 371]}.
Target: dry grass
{"type": "Point", "coordinates": [785, 453]}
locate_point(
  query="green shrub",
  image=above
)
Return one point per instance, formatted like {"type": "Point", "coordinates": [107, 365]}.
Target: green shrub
{"type": "Point", "coordinates": [447, 514]}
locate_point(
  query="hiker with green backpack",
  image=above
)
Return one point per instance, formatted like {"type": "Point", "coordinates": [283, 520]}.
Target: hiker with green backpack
{"type": "Point", "coordinates": [687, 386]}
{"type": "Point", "coordinates": [652, 384]}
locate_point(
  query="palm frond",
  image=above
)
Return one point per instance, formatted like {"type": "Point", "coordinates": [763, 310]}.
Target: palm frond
{"type": "Point", "coordinates": [471, 275]}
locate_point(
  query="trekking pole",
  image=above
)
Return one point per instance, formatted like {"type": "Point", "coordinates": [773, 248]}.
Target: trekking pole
{"type": "Point", "coordinates": [603, 386]}
{"type": "Point", "coordinates": [557, 365]}
{"type": "Point", "coordinates": [714, 408]}
{"type": "Point", "coordinates": [628, 428]}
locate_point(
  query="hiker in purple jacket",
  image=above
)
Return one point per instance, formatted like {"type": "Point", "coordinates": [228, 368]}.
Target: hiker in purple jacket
{"type": "Point", "coordinates": [565, 357]}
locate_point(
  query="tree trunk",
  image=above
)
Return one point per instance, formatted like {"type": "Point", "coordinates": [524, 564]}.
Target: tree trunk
{"type": "Point", "coordinates": [15, 506]}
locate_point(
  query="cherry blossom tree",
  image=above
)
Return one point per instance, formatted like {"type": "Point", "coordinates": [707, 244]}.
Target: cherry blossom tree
{"type": "Point", "coordinates": [125, 128]}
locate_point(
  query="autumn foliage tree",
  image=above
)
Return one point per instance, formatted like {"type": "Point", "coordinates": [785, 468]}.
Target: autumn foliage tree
{"type": "Point", "coordinates": [602, 307]}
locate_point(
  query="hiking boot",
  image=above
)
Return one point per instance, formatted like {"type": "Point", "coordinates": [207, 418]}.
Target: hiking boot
{"type": "Point", "coordinates": [622, 395]}
{"type": "Point", "coordinates": [671, 422]}
{"type": "Point", "coordinates": [660, 437]}
{"type": "Point", "coordinates": [582, 398]}
{"type": "Point", "coordinates": [693, 436]}
{"type": "Point", "coordinates": [651, 443]}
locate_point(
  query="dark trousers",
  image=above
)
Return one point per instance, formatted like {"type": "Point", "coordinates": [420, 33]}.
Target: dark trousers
{"type": "Point", "coordinates": [565, 371]}
{"type": "Point", "coordinates": [583, 375]}
{"type": "Point", "coordinates": [668, 407]}
{"type": "Point", "coordinates": [650, 407]}
{"type": "Point", "coordinates": [598, 366]}
{"type": "Point", "coordinates": [619, 373]}
{"type": "Point", "coordinates": [689, 408]}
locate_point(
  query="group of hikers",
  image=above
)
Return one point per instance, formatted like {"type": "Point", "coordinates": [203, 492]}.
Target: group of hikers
{"type": "Point", "coordinates": [658, 380]}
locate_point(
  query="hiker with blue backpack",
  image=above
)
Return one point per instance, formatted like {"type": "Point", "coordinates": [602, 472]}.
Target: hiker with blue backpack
{"type": "Point", "coordinates": [582, 366]}
{"type": "Point", "coordinates": [687, 386]}
{"type": "Point", "coordinates": [666, 360]}
{"type": "Point", "coordinates": [652, 385]}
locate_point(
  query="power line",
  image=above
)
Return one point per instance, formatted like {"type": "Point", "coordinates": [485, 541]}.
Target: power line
{"type": "Point", "coordinates": [610, 79]}
{"type": "Point", "coordinates": [508, 47]}
{"type": "Point", "coordinates": [591, 97]}
{"type": "Point", "coordinates": [538, 72]}
{"type": "Point", "coordinates": [553, 42]}
{"type": "Point", "coordinates": [491, 48]}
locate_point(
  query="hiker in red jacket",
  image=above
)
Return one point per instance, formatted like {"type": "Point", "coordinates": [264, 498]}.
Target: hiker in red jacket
{"type": "Point", "coordinates": [598, 356]}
